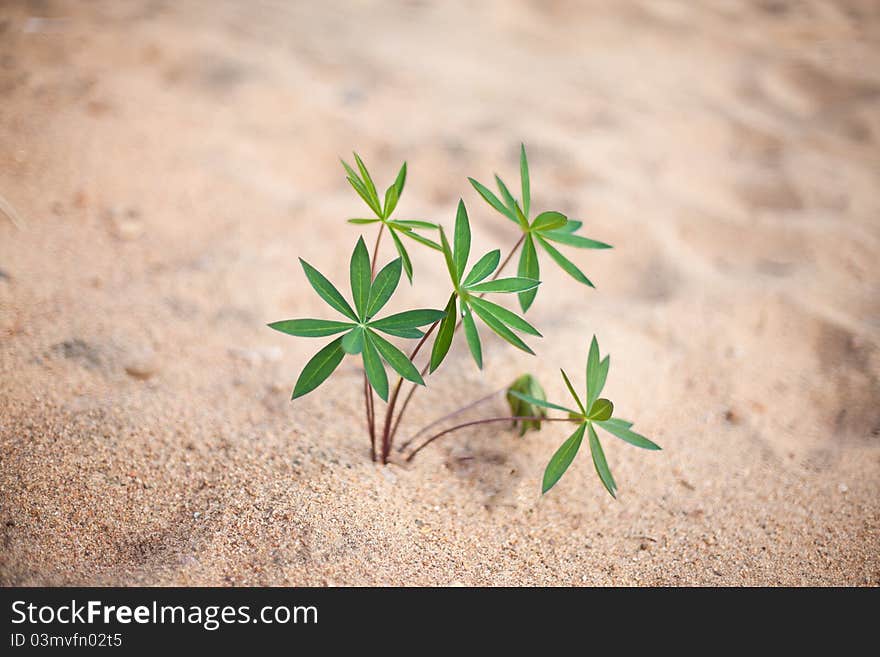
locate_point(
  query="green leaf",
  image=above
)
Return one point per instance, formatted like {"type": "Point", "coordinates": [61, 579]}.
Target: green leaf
{"type": "Point", "coordinates": [396, 358]}
{"type": "Point", "coordinates": [470, 332]}
{"type": "Point", "coordinates": [365, 195]}
{"type": "Point", "coordinates": [513, 320]}
{"type": "Point", "coordinates": [408, 319]}
{"type": "Point", "coordinates": [524, 178]}
{"type": "Point", "coordinates": [447, 255]}
{"type": "Point", "coordinates": [601, 410]}
{"type": "Point", "coordinates": [310, 328]}
{"type": "Point", "coordinates": [595, 381]}
{"type": "Point", "coordinates": [574, 240]}
{"type": "Point", "coordinates": [540, 402]}
{"type": "Point", "coordinates": [359, 269]}
{"type": "Point", "coordinates": [461, 243]}
{"type": "Point", "coordinates": [368, 181]}
{"type": "Point", "coordinates": [352, 174]}
{"type": "Point", "coordinates": [391, 199]}
{"type": "Point", "coordinates": [549, 221]}
{"type": "Point", "coordinates": [567, 265]}
{"type": "Point", "coordinates": [383, 286]}
{"type": "Point", "coordinates": [600, 463]}
{"type": "Point", "coordinates": [444, 335]}
{"type": "Point", "coordinates": [363, 221]}
{"type": "Point", "coordinates": [319, 368]}
{"type": "Point", "coordinates": [400, 181]}
{"type": "Point", "coordinates": [528, 268]}
{"type": "Point", "coordinates": [485, 266]}
{"type": "Point", "coordinates": [599, 381]}
{"type": "Point", "coordinates": [413, 223]}
{"type": "Point", "coordinates": [326, 291]}
{"type": "Point", "coordinates": [374, 369]}
{"type": "Point", "coordinates": [513, 284]}
{"type": "Point", "coordinates": [621, 429]}
{"type": "Point", "coordinates": [563, 457]}
{"type": "Point", "coordinates": [570, 227]}
{"type": "Point", "coordinates": [501, 329]}
{"type": "Point", "coordinates": [421, 239]}
{"type": "Point", "coordinates": [404, 256]}
{"type": "Point", "coordinates": [506, 196]}
{"type": "Point", "coordinates": [353, 341]}
{"type": "Point", "coordinates": [408, 333]}
{"type": "Point", "coordinates": [573, 393]}
{"type": "Point", "coordinates": [492, 200]}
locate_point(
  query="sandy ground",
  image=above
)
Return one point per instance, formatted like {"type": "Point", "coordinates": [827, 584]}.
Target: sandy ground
{"type": "Point", "coordinates": [170, 160]}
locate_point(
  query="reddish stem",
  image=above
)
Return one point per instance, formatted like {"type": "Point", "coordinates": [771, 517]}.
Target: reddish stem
{"type": "Point", "coordinates": [512, 418]}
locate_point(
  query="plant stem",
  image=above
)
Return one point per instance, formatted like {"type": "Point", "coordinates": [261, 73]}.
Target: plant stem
{"type": "Point", "coordinates": [412, 391]}
{"type": "Point", "coordinates": [448, 416]}
{"type": "Point", "coordinates": [387, 431]}
{"type": "Point", "coordinates": [512, 418]}
{"type": "Point", "coordinates": [371, 427]}
{"type": "Point", "coordinates": [376, 250]}
{"type": "Point", "coordinates": [369, 401]}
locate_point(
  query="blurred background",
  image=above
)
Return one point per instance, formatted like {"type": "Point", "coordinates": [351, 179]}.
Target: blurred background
{"type": "Point", "coordinates": [163, 164]}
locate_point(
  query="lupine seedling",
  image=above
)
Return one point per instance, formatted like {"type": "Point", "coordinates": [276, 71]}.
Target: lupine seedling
{"type": "Point", "coordinates": [549, 226]}
{"type": "Point", "coordinates": [593, 410]}
{"type": "Point", "coordinates": [370, 292]}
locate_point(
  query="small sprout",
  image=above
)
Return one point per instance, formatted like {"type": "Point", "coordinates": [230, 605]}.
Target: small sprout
{"type": "Point", "coordinates": [467, 295]}
{"type": "Point", "coordinates": [547, 227]}
{"type": "Point", "coordinates": [361, 337]}
{"type": "Point", "coordinates": [358, 332]}
{"type": "Point", "coordinates": [528, 385]}
{"type": "Point", "coordinates": [600, 414]}
{"type": "Point", "coordinates": [366, 189]}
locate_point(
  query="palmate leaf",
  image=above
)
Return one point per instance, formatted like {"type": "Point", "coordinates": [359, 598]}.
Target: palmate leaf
{"type": "Point", "coordinates": [461, 244]}
{"type": "Point", "coordinates": [310, 328]}
{"type": "Point", "coordinates": [621, 429]}
{"type": "Point", "coordinates": [577, 241]}
{"type": "Point", "coordinates": [513, 320]}
{"type": "Point", "coordinates": [500, 329]}
{"type": "Point", "coordinates": [327, 291]}
{"type": "Point", "coordinates": [513, 284]}
{"type": "Point", "coordinates": [449, 258]}
{"type": "Point", "coordinates": [444, 335]}
{"type": "Point", "coordinates": [400, 181]}
{"type": "Point", "coordinates": [595, 374]}
{"type": "Point", "coordinates": [563, 457]}
{"type": "Point", "coordinates": [470, 333]}
{"type": "Point", "coordinates": [600, 463]}
{"type": "Point", "coordinates": [319, 368]}
{"type": "Point", "coordinates": [601, 410]}
{"type": "Point", "coordinates": [367, 180]}
{"type": "Point", "coordinates": [404, 256]}
{"type": "Point", "coordinates": [374, 369]}
{"type": "Point", "coordinates": [391, 199]}
{"type": "Point", "coordinates": [567, 265]}
{"type": "Point", "coordinates": [492, 200]}
{"type": "Point", "coordinates": [506, 196]}
{"type": "Point", "coordinates": [421, 239]}
{"type": "Point", "coordinates": [383, 286]}
{"type": "Point", "coordinates": [540, 402]}
{"type": "Point", "coordinates": [353, 341]}
{"type": "Point", "coordinates": [484, 267]}
{"type": "Point", "coordinates": [359, 268]}
{"type": "Point", "coordinates": [573, 393]}
{"type": "Point", "coordinates": [549, 221]}
{"type": "Point", "coordinates": [524, 180]}
{"type": "Point", "coordinates": [395, 358]}
{"type": "Point", "coordinates": [408, 319]}
{"type": "Point", "coordinates": [528, 268]}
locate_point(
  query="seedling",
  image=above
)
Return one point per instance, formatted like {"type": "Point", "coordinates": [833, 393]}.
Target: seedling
{"type": "Point", "coordinates": [370, 291]}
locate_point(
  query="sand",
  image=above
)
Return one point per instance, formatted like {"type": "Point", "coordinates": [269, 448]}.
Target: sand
{"type": "Point", "coordinates": [170, 160]}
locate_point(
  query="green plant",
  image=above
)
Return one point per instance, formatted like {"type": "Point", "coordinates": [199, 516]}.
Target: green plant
{"type": "Point", "coordinates": [371, 291]}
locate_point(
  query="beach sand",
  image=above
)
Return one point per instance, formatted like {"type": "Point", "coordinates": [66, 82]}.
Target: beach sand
{"type": "Point", "coordinates": [169, 161]}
